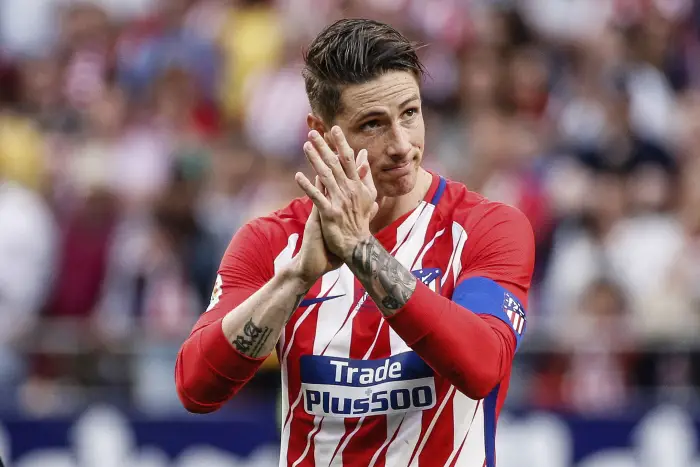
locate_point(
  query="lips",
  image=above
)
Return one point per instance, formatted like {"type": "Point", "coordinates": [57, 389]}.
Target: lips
{"type": "Point", "coordinates": [398, 167]}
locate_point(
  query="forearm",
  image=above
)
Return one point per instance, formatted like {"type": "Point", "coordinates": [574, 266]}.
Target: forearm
{"type": "Point", "coordinates": [384, 278]}
{"type": "Point", "coordinates": [472, 351]}
{"type": "Point", "coordinates": [254, 327]}
{"type": "Point", "coordinates": [219, 358]}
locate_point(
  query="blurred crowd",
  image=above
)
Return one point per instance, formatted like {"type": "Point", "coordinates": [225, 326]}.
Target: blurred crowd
{"type": "Point", "coordinates": [136, 136]}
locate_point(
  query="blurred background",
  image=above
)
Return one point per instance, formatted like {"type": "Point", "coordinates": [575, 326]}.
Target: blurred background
{"type": "Point", "coordinates": [136, 136]}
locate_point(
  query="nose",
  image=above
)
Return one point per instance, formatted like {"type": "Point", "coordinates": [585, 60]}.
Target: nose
{"type": "Point", "coordinates": [399, 143]}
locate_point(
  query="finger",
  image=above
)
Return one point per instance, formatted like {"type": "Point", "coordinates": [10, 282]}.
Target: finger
{"type": "Point", "coordinates": [319, 186]}
{"type": "Point", "coordinates": [362, 171]}
{"type": "Point", "coordinates": [373, 212]}
{"type": "Point", "coordinates": [324, 172]}
{"type": "Point", "coordinates": [365, 172]}
{"type": "Point", "coordinates": [361, 164]}
{"type": "Point", "coordinates": [346, 155]}
{"type": "Point", "coordinates": [328, 157]}
{"type": "Point", "coordinates": [361, 158]}
{"type": "Point", "coordinates": [320, 201]}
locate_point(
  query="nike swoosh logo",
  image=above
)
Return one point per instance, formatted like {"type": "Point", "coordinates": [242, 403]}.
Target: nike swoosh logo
{"type": "Point", "coordinates": [313, 301]}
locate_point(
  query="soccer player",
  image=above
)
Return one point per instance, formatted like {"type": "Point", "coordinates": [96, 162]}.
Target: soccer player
{"type": "Point", "coordinates": [394, 297]}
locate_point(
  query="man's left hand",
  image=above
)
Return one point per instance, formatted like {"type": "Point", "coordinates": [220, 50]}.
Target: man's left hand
{"type": "Point", "coordinates": [349, 202]}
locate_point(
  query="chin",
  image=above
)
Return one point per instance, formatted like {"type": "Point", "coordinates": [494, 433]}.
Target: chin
{"type": "Point", "coordinates": [397, 186]}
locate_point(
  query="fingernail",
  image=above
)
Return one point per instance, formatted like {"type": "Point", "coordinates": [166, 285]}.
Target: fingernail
{"type": "Point", "coordinates": [336, 131]}
{"type": "Point", "coordinates": [307, 146]}
{"type": "Point", "coordinates": [313, 134]}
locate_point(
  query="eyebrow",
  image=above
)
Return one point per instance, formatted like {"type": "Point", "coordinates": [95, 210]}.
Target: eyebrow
{"type": "Point", "coordinates": [379, 113]}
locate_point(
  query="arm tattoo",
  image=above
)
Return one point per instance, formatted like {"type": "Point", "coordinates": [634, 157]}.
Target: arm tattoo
{"type": "Point", "coordinates": [254, 338]}
{"type": "Point", "coordinates": [386, 280]}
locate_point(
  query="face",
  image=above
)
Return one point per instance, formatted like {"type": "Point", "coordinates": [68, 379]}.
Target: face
{"type": "Point", "coordinates": [384, 117]}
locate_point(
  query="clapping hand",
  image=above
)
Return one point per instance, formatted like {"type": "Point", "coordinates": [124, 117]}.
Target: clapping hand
{"type": "Point", "coordinates": [348, 203]}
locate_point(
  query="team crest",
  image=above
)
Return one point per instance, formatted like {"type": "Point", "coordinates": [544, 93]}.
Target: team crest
{"type": "Point", "coordinates": [216, 293]}
{"type": "Point", "coordinates": [428, 276]}
{"type": "Point", "coordinates": [514, 310]}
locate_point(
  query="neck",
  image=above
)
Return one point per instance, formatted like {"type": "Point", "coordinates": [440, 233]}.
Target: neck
{"type": "Point", "coordinates": [391, 208]}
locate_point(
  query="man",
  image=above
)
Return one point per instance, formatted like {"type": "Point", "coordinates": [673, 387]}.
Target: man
{"type": "Point", "coordinates": [393, 297]}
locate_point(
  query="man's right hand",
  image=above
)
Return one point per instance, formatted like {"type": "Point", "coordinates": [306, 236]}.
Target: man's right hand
{"type": "Point", "coordinates": [314, 259]}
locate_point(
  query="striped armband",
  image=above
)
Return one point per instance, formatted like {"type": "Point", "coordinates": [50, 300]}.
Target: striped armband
{"type": "Point", "coordinates": [486, 297]}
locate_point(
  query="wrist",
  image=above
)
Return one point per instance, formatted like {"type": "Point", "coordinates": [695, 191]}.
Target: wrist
{"type": "Point", "coordinates": [300, 280]}
{"type": "Point", "coordinates": [350, 248]}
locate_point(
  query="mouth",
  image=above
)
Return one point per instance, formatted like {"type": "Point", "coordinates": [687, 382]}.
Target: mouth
{"type": "Point", "coordinates": [399, 167]}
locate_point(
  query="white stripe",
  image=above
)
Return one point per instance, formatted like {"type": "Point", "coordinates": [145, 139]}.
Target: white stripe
{"type": "Point", "coordinates": [419, 262]}
{"type": "Point", "coordinates": [335, 338]}
{"type": "Point", "coordinates": [327, 282]}
{"type": "Point", "coordinates": [392, 424]}
{"type": "Point", "coordinates": [446, 399]}
{"type": "Point", "coordinates": [462, 415]}
{"type": "Point", "coordinates": [406, 255]}
{"type": "Point", "coordinates": [404, 229]}
{"type": "Point", "coordinates": [459, 233]}
{"type": "Point", "coordinates": [285, 256]}
{"type": "Point", "coordinates": [473, 451]}
{"type": "Point", "coordinates": [399, 451]}
{"type": "Point", "coordinates": [286, 432]}
{"type": "Point", "coordinates": [376, 337]}
{"type": "Point", "coordinates": [332, 314]}
{"type": "Point", "coordinates": [459, 238]}
{"type": "Point", "coordinates": [338, 459]}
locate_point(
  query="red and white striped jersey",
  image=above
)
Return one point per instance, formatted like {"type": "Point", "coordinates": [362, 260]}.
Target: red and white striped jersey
{"type": "Point", "coordinates": [354, 392]}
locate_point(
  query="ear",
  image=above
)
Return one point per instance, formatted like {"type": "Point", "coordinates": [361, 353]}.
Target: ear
{"type": "Point", "coordinates": [317, 124]}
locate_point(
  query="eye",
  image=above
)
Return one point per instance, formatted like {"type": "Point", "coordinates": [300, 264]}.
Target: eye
{"type": "Point", "coordinates": [369, 125]}
{"type": "Point", "coordinates": [412, 112]}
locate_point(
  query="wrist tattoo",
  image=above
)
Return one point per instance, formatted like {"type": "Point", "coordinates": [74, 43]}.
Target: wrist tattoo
{"type": "Point", "coordinates": [252, 340]}
{"type": "Point", "coordinates": [299, 299]}
{"type": "Point", "coordinates": [297, 302]}
{"type": "Point", "coordinates": [386, 280]}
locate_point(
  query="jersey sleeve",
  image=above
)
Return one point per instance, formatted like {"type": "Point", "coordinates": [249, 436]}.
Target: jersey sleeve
{"type": "Point", "coordinates": [499, 261]}
{"type": "Point", "coordinates": [466, 339]}
{"type": "Point", "coordinates": [209, 370]}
